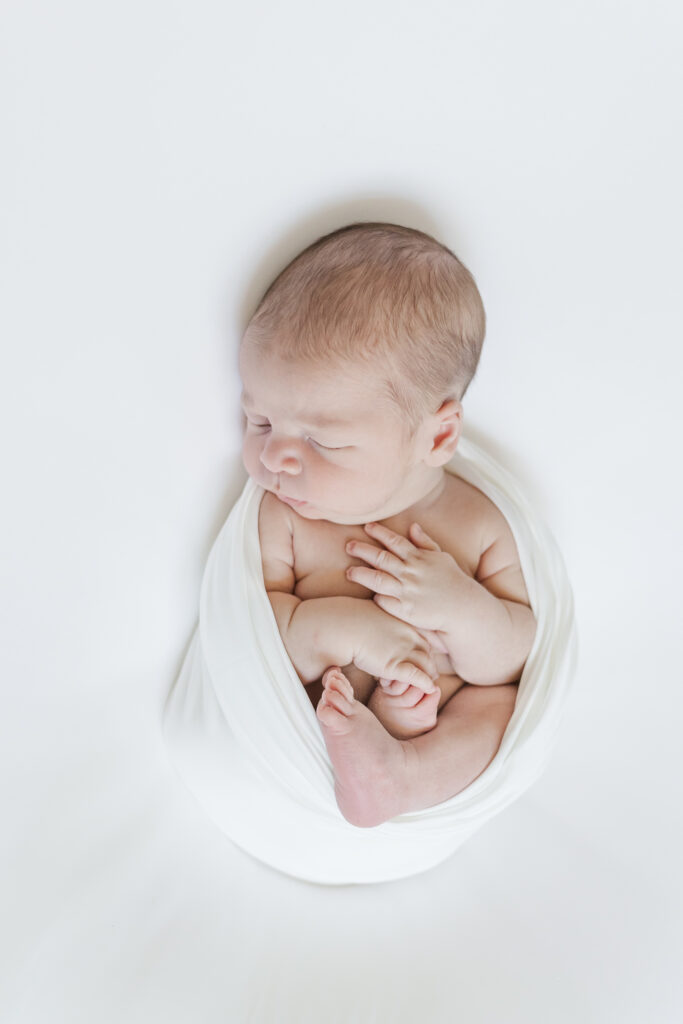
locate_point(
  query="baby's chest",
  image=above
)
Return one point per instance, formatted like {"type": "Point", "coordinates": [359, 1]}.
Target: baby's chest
{"type": "Point", "coordinates": [321, 559]}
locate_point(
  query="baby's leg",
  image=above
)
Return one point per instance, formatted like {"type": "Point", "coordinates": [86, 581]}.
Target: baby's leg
{"type": "Point", "coordinates": [465, 740]}
{"type": "Point", "coordinates": [411, 712]}
{"type": "Point", "coordinates": [378, 777]}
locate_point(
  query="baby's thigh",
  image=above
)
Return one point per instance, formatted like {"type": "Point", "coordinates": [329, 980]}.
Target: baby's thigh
{"type": "Point", "coordinates": [449, 686]}
{"type": "Point", "coordinates": [493, 703]}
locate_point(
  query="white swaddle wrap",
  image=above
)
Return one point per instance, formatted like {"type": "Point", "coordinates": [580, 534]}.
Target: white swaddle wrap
{"type": "Point", "coordinates": [244, 736]}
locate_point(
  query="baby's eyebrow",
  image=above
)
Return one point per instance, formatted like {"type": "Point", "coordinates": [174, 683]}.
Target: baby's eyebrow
{"type": "Point", "coordinates": [320, 420]}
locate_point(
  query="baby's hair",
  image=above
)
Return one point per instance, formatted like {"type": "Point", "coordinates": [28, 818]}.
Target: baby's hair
{"type": "Point", "coordinates": [386, 294]}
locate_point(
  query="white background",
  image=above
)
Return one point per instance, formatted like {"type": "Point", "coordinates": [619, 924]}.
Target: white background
{"type": "Point", "coordinates": [162, 161]}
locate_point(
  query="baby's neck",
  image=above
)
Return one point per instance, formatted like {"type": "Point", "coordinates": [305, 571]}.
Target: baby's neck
{"type": "Point", "coordinates": [431, 494]}
{"type": "Point", "coordinates": [425, 494]}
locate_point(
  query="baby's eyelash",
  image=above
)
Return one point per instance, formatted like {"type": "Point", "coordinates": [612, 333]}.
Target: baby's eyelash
{"type": "Point", "coordinates": [328, 448]}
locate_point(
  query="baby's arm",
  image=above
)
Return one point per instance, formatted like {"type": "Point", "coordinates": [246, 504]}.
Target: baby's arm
{"type": "Point", "coordinates": [326, 631]}
{"type": "Point", "coordinates": [310, 630]}
{"type": "Point", "coordinates": [316, 633]}
{"type": "Point", "coordinates": [491, 627]}
{"type": "Point", "coordinates": [485, 622]}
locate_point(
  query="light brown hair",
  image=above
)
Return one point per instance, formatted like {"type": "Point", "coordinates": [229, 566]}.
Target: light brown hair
{"type": "Point", "coordinates": [387, 294]}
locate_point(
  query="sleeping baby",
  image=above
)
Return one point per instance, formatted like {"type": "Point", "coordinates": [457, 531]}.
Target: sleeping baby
{"type": "Point", "coordinates": [396, 585]}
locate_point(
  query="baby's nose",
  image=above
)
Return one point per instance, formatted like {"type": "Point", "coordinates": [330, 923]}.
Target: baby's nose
{"type": "Point", "coordinates": [278, 457]}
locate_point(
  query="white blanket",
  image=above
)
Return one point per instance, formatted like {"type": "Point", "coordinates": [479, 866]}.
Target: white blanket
{"type": "Point", "coordinates": [244, 736]}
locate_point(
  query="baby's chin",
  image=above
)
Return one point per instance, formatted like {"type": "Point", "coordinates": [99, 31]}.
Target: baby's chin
{"type": "Point", "coordinates": [308, 511]}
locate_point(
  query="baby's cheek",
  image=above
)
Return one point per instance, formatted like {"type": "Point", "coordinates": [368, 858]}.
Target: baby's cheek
{"type": "Point", "coordinates": [339, 481]}
{"type": "Point", "coordinates": [250, 456]}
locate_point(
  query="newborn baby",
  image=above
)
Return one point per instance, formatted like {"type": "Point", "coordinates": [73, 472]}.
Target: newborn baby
{"type": "Point", "coordinates": [396, 586]}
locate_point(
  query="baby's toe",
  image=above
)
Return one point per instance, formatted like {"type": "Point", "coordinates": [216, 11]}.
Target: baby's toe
{"type": "Point", "coordinates": [336, 684]}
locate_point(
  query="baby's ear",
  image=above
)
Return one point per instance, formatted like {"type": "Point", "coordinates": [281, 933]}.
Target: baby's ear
{"type": "Point", "coordinates": [446, 432]}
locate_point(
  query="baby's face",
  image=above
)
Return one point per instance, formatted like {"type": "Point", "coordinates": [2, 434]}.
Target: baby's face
{"type": "Point", "coordinates": [327, 443]}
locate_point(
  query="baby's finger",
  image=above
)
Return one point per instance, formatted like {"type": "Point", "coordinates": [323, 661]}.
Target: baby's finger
{"type": "Point", "coordinates": [401, 546]}
{"type": "Point", "coordinates": [434, 640]}
{"type": "Point", "coordinates": [411, 697]}
{"type": "Point", "coordinates": [422, 539]}
{"type": "Point", "coordinates": [394, 686]}
{"type": "Point", "coordinates": [379, 557]}
{"type": "Point", "coordinates": [424, 660]}
{"type": "Point", "coordinates": [374, 579]}
{"type": "Point", "coordinates": [410, 673]}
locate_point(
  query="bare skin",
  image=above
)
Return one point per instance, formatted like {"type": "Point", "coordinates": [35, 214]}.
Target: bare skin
{"type": "Point", "coordinates": [393, 753]}
{"type": "Point", "coordinates": [378, 777]}
{"type": "Point", "coordinates": [396, 741]}
{"type": "Point", "coordinates": [320, 569]}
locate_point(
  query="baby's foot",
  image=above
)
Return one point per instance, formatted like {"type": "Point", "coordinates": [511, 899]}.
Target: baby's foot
{"type": "Point", "coordinates": [371, 768]}
{"type": "Point", "coordinates": [404, 715]}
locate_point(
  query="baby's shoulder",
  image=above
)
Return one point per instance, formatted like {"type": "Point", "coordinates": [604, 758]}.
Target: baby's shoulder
{"type": "Point", "coordinates": [464, 507]}
{"type": "Point", "coordinates": [468, 513]}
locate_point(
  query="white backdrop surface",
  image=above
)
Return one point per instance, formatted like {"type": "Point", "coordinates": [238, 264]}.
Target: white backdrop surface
{"type": "Point", "coordinates": [161, 163]}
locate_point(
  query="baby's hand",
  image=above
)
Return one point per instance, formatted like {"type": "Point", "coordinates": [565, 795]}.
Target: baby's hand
{"type": "Point", "coordinates": [414, 581]}
{"type": "Point", "coordinates": [434, 640]}
{"type": "Point", "coordinates": [391, 649]}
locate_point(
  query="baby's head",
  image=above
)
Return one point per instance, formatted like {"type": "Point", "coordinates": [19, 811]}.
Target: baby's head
{"type": "Point", "coordinates": [379, 327]}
